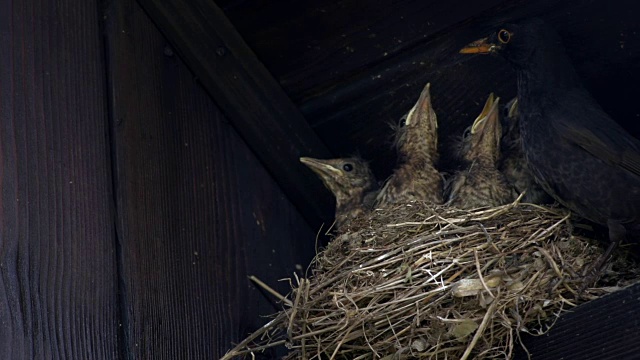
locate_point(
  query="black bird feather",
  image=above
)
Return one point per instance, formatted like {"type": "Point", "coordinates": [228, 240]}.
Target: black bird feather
{"type": "Point", "coordinates": [513, 164]}
{"type": "Point", "coordinates": [576, 152]}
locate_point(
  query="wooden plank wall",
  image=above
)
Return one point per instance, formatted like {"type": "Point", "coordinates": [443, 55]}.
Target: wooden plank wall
{"type": "Point", "coordinates": [58, 278]}
{"type": "Point", "coordinates": [131, 213]}
{"type": "Point", "coordinates": [251, 99]}
{"type": "Point", "coordinates": [197, 211]}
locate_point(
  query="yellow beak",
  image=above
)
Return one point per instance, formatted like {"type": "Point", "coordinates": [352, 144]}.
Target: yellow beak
{"type": "Point", "coordinates": [481, 46]}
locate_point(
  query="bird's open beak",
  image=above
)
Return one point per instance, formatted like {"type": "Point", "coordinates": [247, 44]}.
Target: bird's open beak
{"type": "Point", "coordinates": [320, 167]}
{"type": "Point", "coordinates": [486, 130]}
{"type": "Point", "coordinates": [478, 123]}
{"type": "Point", "coordinates": [481, 46]}
{"type": "Point", "coordinates": [513, 109]}
{"type": "Point", "coordinates": [493, 116]}
{"type": "Point", "coordinates": [422, 106]}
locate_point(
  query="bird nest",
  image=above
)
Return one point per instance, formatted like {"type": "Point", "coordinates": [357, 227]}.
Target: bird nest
{"type": "Point", "coordinates": [439, 283]}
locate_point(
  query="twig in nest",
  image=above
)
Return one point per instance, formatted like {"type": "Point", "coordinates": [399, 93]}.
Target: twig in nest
{"type": "Point", "coordinates": [244, 343]}
{"type": "Point", "coordinates": [387, 288]}
{"type": "Point", "coordinates": [475, 253]}
{"type": "Point", "coordinates": [480, 330]}
{"type": "Point", "coordinates": [270, 290]}
{"type": "Point", "coordinates": [294, 309]}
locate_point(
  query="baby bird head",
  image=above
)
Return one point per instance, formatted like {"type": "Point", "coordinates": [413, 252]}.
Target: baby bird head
{"type": "Point", "coordinates": [417, 132]}
{"type": "Point", "coordinates": [481, 141]}
{"type": "Point", "coordinates": [347, 178]}
{"type": "Point", "coordinates": [510, 125]}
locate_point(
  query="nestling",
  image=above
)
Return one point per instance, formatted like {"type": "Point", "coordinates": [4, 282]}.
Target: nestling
{"type": "Point", "coordinates": [351, 182]}
{"type": "Point", "coordinates": [481, 184]}
{"type": "Point", "coordinates": [415, 178]}
{"type": "Point", "coordinates": [576, 152]}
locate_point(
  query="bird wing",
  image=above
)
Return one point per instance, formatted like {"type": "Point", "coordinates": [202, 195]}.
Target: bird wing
{"type": "Point", "coordinates": [381, 196]}
{"type": "Point", "coordinates": [455, 185]}
{"type": "Point", "coordinates": [369, 199]}
{"type": "Point", "coordinates": [582, 122]}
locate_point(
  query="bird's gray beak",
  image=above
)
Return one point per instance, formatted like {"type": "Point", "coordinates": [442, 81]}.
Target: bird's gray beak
{"type": "Point", "coordinates": [486, 130]}
{"type": "Point", "coordinates": [321, 167]}
{"type": "Point", "coordinates": [481, 46]}
{"type": "Point", "coordinates": [421, 107]}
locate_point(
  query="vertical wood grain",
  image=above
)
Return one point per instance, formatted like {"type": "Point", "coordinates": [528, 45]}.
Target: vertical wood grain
{"type": "Point", "coordinates": [197, 211]}
{"type": "Point", "coordinates": [251, 99]}
{"type": "Point", "coordinates": [57, 247]}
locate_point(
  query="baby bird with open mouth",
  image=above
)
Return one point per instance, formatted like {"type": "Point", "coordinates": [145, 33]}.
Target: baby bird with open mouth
{"type": "Point", "coordinates": [481, 184]}
{"type": "Point", "coordinates": [415, 178]}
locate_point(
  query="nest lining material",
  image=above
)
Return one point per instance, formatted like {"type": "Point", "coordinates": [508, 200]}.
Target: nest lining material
{"type": "Point", "coordinates": [416, 281]}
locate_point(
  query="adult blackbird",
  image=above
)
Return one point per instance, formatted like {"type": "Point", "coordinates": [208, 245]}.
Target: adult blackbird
{"type": "Point", "coordinates": [415, 178]}
{"type": "Point", "coordinates": [579, 155]}
{"type": "Point", "coordinates": [351, 182]}
{"type": "Point", "coordinates": [512, 163]}
{"type": "Point", "coordinates": [481, 184]}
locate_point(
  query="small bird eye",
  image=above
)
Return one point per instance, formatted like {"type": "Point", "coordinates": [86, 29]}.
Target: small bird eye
{"type": "Point", "coordinates": [504, 36]}
{"type": "Point", "coordinates": [403, 122]}
{"type": "Point", "coordinates": [347, 167]}
{"type": "Point", "coordinates": [467, 133]}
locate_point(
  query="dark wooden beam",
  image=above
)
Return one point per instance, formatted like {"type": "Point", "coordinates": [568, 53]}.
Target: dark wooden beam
{"type": "Point", "coordinates": [58, 270]}
{"type": "Point", "coordinates": [606, 328]}
{"type": "Point", "coordinates": [197, 212]}
{"type": "Point", "coordinates": [251, 99]}
{"type": "Point", "coordinates": [357, 65]}
{"type": "Point", "coordinates": [326, 42]}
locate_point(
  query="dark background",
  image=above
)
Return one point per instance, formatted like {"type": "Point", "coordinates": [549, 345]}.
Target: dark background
{"type": "Point", "coordinates": [354, 66]}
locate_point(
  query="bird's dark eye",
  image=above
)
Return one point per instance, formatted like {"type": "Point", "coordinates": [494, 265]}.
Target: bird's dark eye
{"type": "Point", "coordinates": [403, 122]}
{"type": "Point", "coordinates": [504, 36]}
{"type": "Point", "coordinates": [347, 167]}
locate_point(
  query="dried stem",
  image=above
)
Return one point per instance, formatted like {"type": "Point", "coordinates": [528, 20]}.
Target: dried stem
{"type": "Point", "coordinates": [384, 287]}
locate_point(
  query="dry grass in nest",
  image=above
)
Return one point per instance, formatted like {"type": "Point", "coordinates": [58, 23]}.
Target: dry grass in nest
{"type": "Point", "coordinates": [438, 283]}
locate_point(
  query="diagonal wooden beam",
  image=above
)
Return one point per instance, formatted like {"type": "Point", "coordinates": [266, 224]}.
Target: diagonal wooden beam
{"type": "Point", "coordinates": [252, 100]}
{"type": "Point", "coordinates": [607, 328]}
